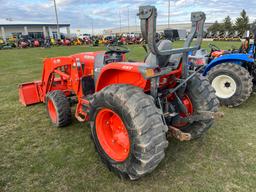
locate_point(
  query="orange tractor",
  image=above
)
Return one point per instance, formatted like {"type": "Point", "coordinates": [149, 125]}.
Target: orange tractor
{"type": "Point", "coordinates": [131, 106]}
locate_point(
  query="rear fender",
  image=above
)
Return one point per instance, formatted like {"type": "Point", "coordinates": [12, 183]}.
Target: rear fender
{"type": "Point", "coordinates": [122, 73]}
{"type": "Point", "coordinates": [237, 59]}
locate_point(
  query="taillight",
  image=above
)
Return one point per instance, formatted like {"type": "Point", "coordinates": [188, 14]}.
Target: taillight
{"type": "Point", "coordinates": [197, 61]}
{"type": "Point", "coordinates": [200, 61]}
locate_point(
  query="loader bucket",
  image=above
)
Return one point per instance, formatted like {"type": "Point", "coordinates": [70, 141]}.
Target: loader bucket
{"type": "Point", "coordinates": [29, 93]}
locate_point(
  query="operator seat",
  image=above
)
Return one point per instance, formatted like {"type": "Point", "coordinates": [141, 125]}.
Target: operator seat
{"type": "Point", "coordinates": [164, 61]}
{"type": "Point", "coordinates": [88, 82]}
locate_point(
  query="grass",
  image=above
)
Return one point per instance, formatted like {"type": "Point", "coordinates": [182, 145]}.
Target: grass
{"type": "Point", "coordinates": [34, 156]}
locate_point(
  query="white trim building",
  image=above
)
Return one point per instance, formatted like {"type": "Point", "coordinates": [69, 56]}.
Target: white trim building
{"type": "Point", "coordinates": [159, 28]}
{"type": "Point", "coordinates": [9, 27]}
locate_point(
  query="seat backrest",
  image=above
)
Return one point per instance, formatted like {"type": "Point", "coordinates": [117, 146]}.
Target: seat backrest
{"type": "Point", "coordinates": [163, 60]}
{"type": "Point", "coordinates": [202, 53]}
{"type": "Point", "coordinates": [172, 61]}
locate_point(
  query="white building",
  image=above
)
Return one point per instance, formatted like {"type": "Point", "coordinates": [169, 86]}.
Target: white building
{"type": "Point", "coordinates": [9, 28]}
{"type": "Point", "coordinates": [159, 28]}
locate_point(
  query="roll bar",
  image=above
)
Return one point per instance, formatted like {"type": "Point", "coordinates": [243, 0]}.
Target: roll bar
{"type": "Point", "coordinates": [148, 14]}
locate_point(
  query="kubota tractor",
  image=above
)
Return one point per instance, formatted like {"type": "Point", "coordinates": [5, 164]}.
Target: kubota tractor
{"type": "Point", "coordinates": [131, 106]}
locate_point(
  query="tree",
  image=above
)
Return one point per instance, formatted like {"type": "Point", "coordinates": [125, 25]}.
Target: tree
{"type": "Point", "coordinates": [242, 23]}
{"type": "Point", "coordinates": [227, 24]}
{"type": "Point", "coordinates": [215, 27]}
{"type": "Point", "coordinates": [253, 27]}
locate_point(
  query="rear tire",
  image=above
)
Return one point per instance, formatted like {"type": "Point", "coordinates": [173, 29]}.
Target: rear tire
{"type": "Point", "coordinates": [58, 108]}
{"type": "Point", "coordinates": [144, 124]}
{"type": "Point", "coordinates": [203, 98]}
{"type": "Point", "coordinates": [233, 83]}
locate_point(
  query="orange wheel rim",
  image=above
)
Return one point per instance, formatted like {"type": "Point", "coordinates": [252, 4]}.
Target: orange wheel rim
{"type": "Point", "coordinates": [112, 135]}
{"type": "Point", "coordinates": [188, 104]}
{"type": "Point", "coordinates": [52, 111]}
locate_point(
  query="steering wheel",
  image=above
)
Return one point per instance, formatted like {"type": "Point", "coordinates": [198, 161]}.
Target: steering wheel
{"type": "Point", "coordinates": [117, 48]}
{"type": "Point", "coordinates": [214, 47]}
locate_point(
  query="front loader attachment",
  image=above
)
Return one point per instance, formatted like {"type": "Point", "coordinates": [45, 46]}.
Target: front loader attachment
{"type": "Point", "coordinates": [29, 93]}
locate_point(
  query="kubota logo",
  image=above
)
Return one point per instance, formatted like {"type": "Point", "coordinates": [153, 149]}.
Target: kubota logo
{"type": "Point", "coordinates": [89, 57]}
{"type": "Point", "coordinates": [56, 61]}
{"type": "Point", "coordinates": [127, 67]}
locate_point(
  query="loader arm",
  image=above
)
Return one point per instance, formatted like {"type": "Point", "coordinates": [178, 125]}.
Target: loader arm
{"type": "Point", "coordinates": [60, 73]}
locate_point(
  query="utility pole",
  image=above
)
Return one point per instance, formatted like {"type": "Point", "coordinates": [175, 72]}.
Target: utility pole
{"type": "Point", "coordinates": [169, 9]}
{"type": "Point", "coordinates": [92, 27]}
{"type": "Point", "coordinates": [57, 19]}
{"type": "Point", "coordinates": [128, 21]}
{"type": "Point", "coordinates": [136, 23]}
{"type": "Point", "coordinates": [120, 22]}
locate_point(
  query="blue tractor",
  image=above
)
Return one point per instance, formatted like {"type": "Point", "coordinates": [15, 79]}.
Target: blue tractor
{"type": "Point", "coordinates": [231, 73]}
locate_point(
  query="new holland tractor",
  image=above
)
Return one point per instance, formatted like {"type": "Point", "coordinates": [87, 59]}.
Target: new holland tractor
{"type": "Point", "coordinates": [130, 106]}
{"type": "Point", "coordinates": [231, 73]}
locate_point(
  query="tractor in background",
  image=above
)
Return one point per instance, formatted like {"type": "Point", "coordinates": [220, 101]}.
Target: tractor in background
{"type": "Point", "coordinates": [130, 106]}
{"type": "Point", "coordinates": [231, 73]}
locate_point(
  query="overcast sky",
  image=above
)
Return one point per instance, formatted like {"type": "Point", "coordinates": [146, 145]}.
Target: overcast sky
{"type": "Point", "coordinates": [105, 13]}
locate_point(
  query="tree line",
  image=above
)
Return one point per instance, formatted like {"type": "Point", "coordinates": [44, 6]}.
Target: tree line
{"type": "Point", "coordinates": [241, 24]}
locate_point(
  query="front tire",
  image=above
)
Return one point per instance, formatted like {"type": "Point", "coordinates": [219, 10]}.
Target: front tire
{"type": "Point", "coordinates": [141, 119]}
{"type": "Point", "coordinates": [232, 83]}
{"type": "Point", "coordinates": [58, 108]}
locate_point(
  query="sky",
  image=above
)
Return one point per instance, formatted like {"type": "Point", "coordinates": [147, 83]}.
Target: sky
{"type": "Point", "coordinates": [105, 14]}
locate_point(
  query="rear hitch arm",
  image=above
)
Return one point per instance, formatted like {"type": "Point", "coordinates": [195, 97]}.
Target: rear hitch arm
{"type": "Point", "coordinates": [178, 134]}
{"type": "Point", "coordinates": [185, 80]}
{"type": "Point", "coordinates": [200, 116]}
{"type": "Point", "coordinates": [204, 115]}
